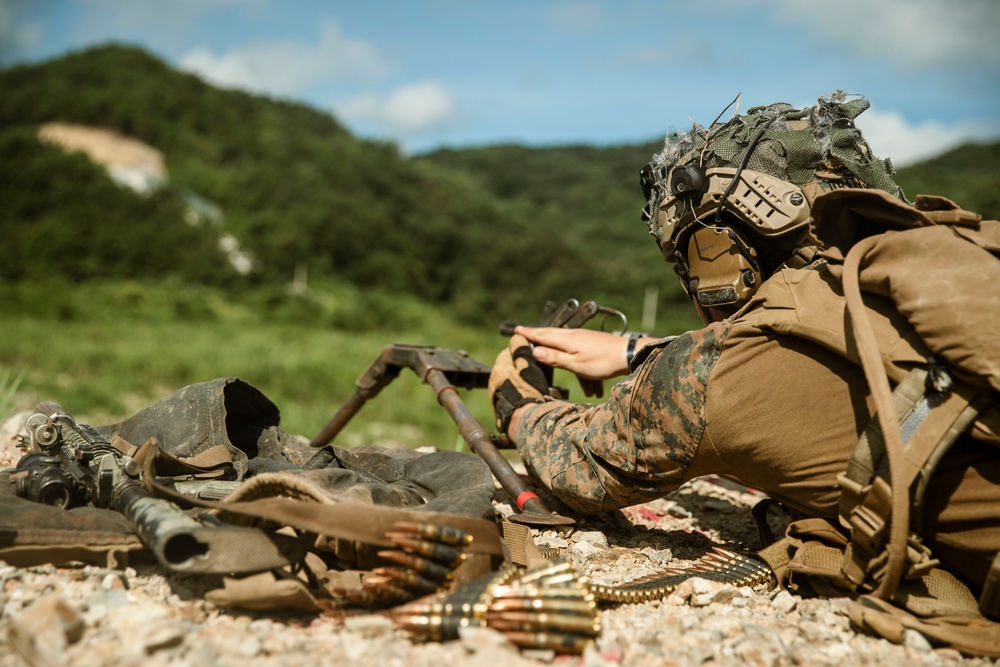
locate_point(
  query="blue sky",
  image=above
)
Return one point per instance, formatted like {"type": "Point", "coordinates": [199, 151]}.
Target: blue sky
{"type": "Point", "coordinates": [433, 73]}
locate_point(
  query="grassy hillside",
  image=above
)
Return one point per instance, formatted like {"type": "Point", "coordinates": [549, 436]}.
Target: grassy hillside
{"type": "Point", "coordinates": [589, 197]}
{"type": "Point", "coordinates": [969, 176]}
{"type": "Point", "coordinates": [296, 188]}
{"type": "Point", "coordinates": [62, 216]}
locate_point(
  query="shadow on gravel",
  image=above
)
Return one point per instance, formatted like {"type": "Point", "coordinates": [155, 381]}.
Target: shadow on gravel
{"type": "Point", "coordinates": [700, 515]}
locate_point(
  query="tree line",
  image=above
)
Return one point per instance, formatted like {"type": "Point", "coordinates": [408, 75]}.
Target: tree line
{"type": "Point", "coordinates": [481, 231]}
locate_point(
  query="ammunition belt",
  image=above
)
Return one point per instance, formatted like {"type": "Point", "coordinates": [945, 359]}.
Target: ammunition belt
{"type": "Point", "coordinates": [721, 565]}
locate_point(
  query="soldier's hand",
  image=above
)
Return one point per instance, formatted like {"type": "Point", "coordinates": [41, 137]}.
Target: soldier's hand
{"type": "Point", "coordinates": [516, 380]}
{"type": "Point", "coordinates": [594, 355]}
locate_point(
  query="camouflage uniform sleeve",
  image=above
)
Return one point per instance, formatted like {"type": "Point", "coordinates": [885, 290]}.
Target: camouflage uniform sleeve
{"type": "Point", "coordinates": [637, 445]}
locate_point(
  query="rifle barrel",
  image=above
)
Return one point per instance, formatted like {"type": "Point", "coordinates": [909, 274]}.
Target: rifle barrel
{"type": "Point", "coordinates": [184, 544]}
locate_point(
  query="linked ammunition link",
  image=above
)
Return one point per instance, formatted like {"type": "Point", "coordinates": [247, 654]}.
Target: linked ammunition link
{"type": "Point", "coordinates": [722, 565]}
{"type": "Point", "coordinates": [548, 607]}
{"type": "Point", "coordinates": [424, 562]}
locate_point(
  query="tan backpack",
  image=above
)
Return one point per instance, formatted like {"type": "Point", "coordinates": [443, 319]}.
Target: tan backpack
{"type": "Point", "coordinates": [936, 267]}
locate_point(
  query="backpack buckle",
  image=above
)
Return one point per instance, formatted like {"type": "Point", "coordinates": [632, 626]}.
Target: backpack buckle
{"type": "Point", "coordinates": [868, 520]}
{"type": "Point", "coordinates": [918, 560]}
{"type": "Point", "coordinates": [867, 523]}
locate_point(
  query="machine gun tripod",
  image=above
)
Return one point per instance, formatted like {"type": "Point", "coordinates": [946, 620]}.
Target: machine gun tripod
{"type": "Point", "coordinates": [446, 371]}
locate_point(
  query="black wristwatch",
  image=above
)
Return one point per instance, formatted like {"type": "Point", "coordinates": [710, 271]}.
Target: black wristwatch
{"type": "Point", "coordinates": [630, 350]}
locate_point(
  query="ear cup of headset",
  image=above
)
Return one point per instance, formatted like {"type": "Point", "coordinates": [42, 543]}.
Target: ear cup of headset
{"type": "Point", "coordinates": [721, 268]}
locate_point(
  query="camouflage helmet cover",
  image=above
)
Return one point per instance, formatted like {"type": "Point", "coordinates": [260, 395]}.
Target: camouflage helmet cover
{"type": "Point", "coordinates": [815, 149]}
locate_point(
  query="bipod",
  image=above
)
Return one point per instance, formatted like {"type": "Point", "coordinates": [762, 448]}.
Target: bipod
{"type": "Point", "coordinates": [445, 371]}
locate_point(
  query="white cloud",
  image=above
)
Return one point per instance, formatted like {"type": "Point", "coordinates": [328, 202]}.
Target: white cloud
{"type": "Point", "coordinates": [410, 108]}
{"type": "Point", "coordinates": [289, 67]}
{"type": "Point", "coordinates": [908, 33]}
{"type": "Point", "coordinates": [890, 135]}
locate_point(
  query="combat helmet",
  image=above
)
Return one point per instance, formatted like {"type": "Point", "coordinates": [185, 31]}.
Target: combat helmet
{"type": "Point", "coordinates": [729, 204]}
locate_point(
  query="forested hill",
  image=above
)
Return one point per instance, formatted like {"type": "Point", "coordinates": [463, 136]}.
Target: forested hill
{"type": "Point", "coordinates": [969, 176]}
{"type": "Point", "coordinates": [295, 189]}
{"type": "Point", "coordinates": [581, 179]}
{"type": "Point", "coordinates": [486, 231]}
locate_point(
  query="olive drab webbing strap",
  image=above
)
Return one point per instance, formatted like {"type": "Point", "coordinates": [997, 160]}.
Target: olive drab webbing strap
{"type": "Point", "coordinates": [878, 382]}
{"type": "Point", "coordinates": [944, 215]}
{"type": "Point", "coordinates": [929, 421]}
{"type": "Point", "coordinates": [970, 635]}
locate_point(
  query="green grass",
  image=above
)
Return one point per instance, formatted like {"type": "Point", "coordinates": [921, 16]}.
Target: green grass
{"type": "Point", "coordinates": [8, 387]}
{"type": "Point", "coordinates": [105, 350]}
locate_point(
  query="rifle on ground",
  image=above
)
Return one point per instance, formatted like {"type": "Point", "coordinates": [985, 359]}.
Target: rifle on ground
{"type": "Point", "coordinates": [446, 371]}
{"type": "Point", "coordinates": [72, 464]}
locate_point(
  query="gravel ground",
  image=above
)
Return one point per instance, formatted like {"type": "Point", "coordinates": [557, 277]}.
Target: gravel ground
{"type": "Point", "coordinates": [142, 615]}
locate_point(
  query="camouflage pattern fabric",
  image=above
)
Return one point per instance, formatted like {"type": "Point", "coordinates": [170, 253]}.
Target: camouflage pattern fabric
{"type": "Point", "coordinates": [635, 447]}
{"type": "Point", "coordinates": [778, 412]}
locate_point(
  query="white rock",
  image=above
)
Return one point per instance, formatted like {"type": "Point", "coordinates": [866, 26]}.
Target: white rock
{"type": "Point", "coordinates": [250, 647]}
{"type": "Point", "coordinates": [916, 641]}
{"type": "Point", "coordinates": [583, 551]}
{"type": "Point", "coordinates": [700, 592]}
{"type": "Point", "coordinates": [661, 556]}
{"type": "Point", "coordinates": [595, 537]}
{"type": "Point", "coordinates": [369, 625]}
{"type": "Point", "coordinates": [553, 542]}
{"type": "Point", "coordinates": [837, 652]}
{"type": "Point", "coordinates": [476, 639]}
{"type": "Point", "coordinates": [784, 601]}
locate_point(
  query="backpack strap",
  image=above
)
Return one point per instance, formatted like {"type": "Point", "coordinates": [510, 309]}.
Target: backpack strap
{"type": "Point", "coordinates": [930, 421]}
{"type": "Point", "coordinates": [896, 504]}
{"type": "Point", "coordinates": [913, 428]}
{"type": "Point", "coordinates": [943, 211]}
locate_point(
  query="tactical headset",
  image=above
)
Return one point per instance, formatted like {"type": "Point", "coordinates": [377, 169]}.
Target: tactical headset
{"type": "Point", "coordinates": [727, 229]}
{"type": "Point", "coordinates": [714, 257]}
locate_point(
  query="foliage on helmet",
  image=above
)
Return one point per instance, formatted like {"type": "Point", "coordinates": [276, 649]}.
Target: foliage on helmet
{"type": "Point", "coordinates": [817, 149]}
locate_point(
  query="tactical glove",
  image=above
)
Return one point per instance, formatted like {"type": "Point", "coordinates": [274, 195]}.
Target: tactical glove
{"type": "Point", "coordinates": [516, 380]}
